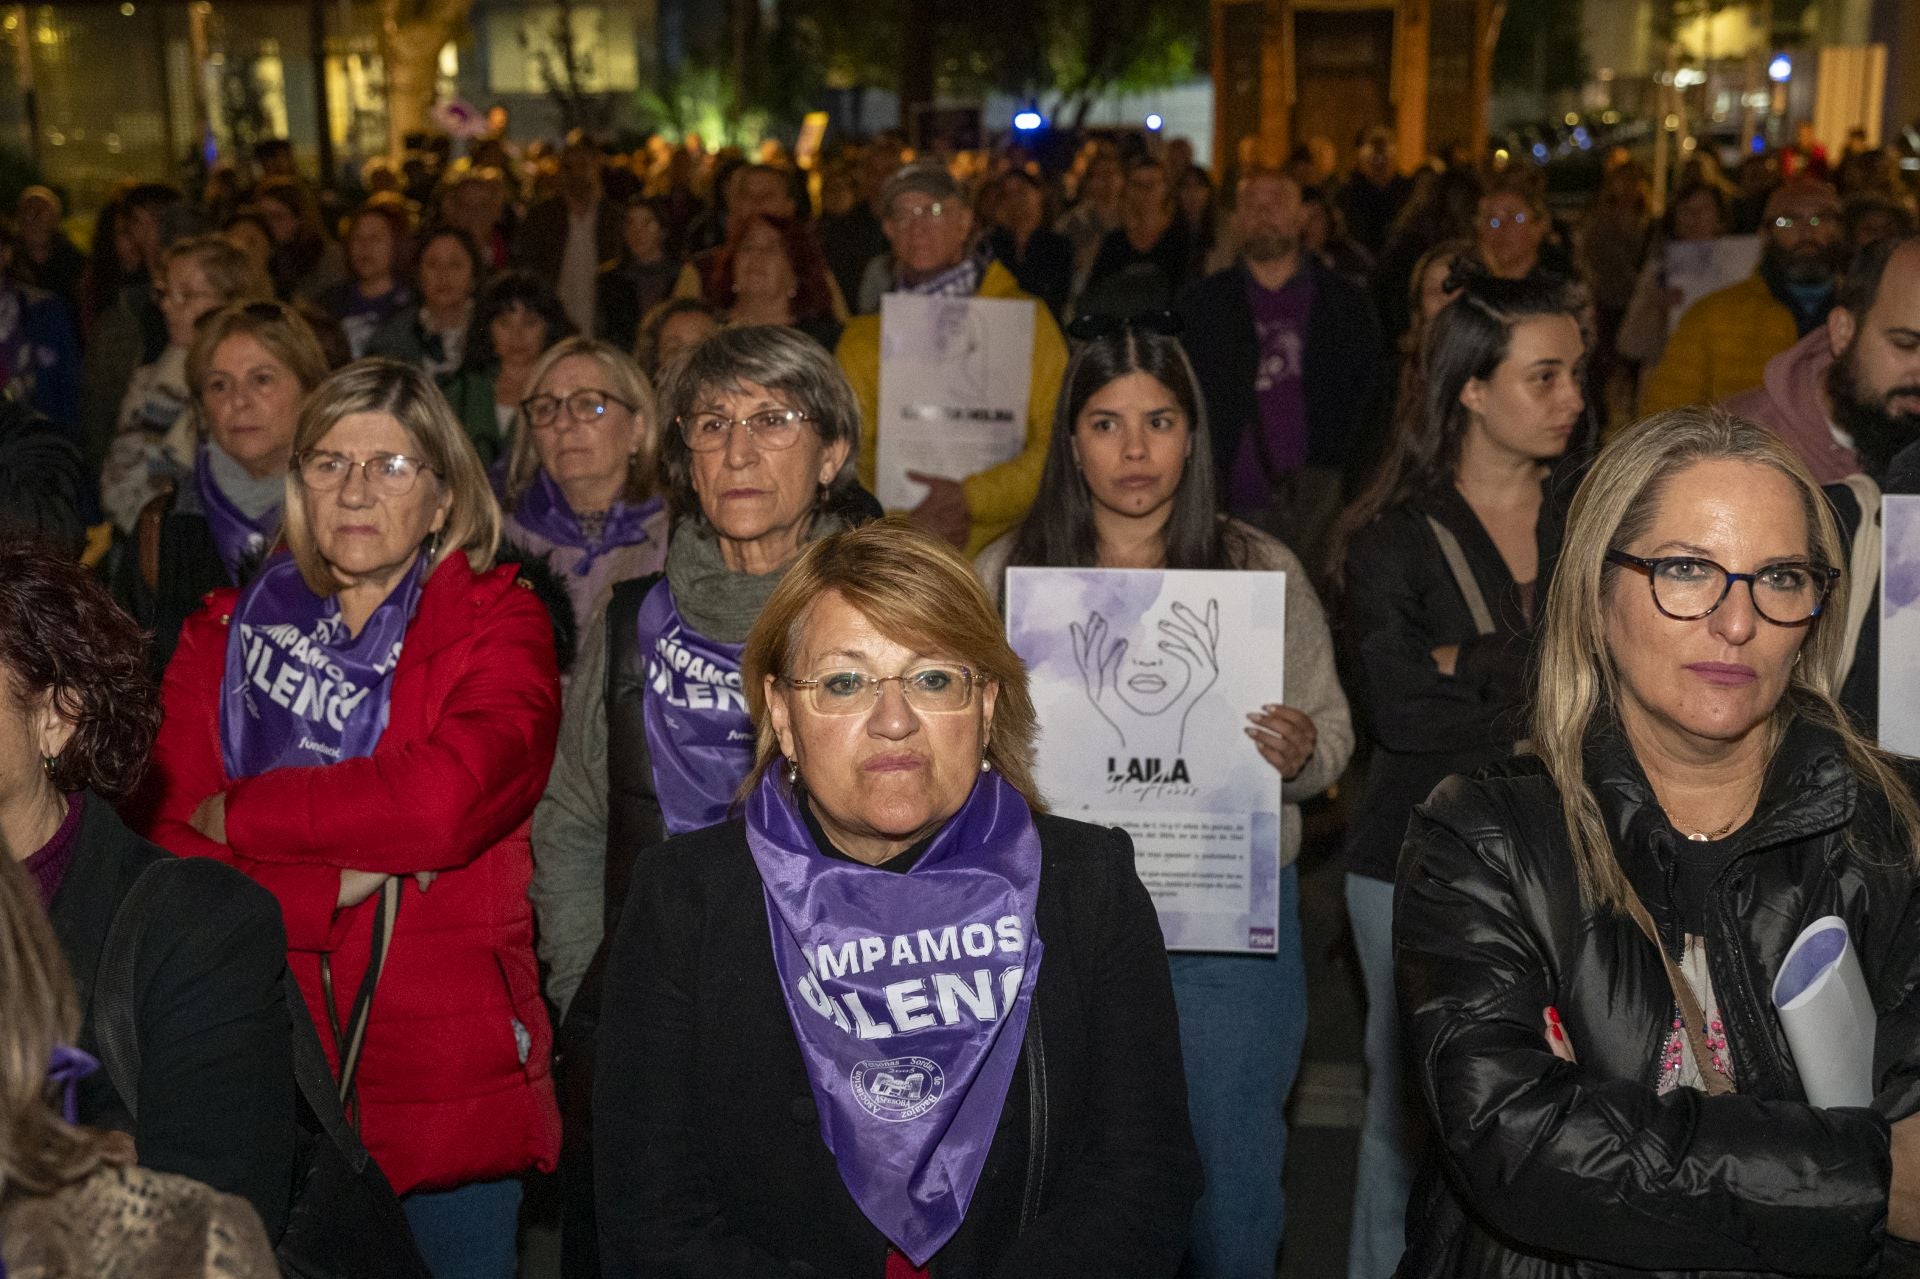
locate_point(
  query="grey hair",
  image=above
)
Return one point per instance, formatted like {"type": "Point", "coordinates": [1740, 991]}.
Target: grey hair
{"type": "Point", "coordinates": [784, 361]}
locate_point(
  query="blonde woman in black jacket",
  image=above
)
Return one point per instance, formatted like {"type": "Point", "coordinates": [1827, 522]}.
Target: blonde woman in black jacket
{"type": "Point", "coordinates": [1585, 940]}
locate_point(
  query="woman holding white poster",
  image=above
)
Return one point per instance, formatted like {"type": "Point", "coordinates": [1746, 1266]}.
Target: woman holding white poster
{"type": "Point", "coordinates": [1440, 563]}
{"type": "Point", "coordinates": [1585, 938]}
{"type": "Point", "coordinates": [1129, 484]}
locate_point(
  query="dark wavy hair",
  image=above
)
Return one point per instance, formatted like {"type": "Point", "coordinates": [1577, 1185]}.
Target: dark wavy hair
{"type": "Point", "coordinates": [813, 295]}
{"type": "Point", "coordinates": [1469, 339]}
{"type": "Point", "coordinates": [1058, 533]}
{"type": "Point", "coordinates": [61, 633]}
{"type": "Point", "coordinates": [506, 291]}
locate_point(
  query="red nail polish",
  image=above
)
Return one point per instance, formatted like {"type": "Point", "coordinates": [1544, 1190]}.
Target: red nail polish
{"type": "Point", "coordinates": [1553, 1015]}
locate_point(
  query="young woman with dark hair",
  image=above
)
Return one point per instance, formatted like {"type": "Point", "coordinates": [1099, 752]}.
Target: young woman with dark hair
{"type": "Point", "coordinates": [1129, 483]}
{"type": "Point", "coordinates": [518, 318]}
{"type": "Point", "coordinates": [1442, 563]}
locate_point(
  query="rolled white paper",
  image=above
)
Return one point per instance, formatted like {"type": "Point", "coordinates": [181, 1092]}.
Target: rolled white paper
{"type": "Point", "coordinates": [1825, 1009]}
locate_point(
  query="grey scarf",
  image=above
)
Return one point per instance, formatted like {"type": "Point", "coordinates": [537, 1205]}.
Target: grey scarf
{"type": "Point", "coordinates": [254, 497]}
{"type": "Point", "coordinates": [715, 600]}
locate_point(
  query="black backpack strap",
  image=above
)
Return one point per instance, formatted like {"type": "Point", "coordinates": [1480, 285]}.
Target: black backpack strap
{"type": "Point", "coordinates": [116, 1032]}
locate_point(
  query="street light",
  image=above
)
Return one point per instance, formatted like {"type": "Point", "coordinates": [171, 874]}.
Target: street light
{"type": "Point", "coordinates": [1028, 121]}
{"type": "Point", "coordinates": [1154, 121]}
{"type": "Point", "coordinates": [1780, 70]}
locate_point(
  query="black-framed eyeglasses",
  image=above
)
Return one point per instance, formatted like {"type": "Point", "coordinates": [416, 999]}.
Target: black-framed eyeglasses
{"type": "Point", "coordinates": [936, 688]}
{"type": "Point", "coordinates": [585, 406]}
{"type": "Point", "coordinates": [388, 474]}
{"type": "Point", "coordinates": [769, 428]}
{"type": "Point", "coordinates": [1688, 587]}
{"type": "Point", "coordinates": [1087, 328]}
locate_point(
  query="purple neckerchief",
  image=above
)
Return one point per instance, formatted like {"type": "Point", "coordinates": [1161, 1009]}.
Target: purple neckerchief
{"type": "Point", "coordinates": [235, 537]}
{"type": "Point", "coordinates": [298, 689]}
{"type": "Point", "coordinates": [543, 509]}
{"type": "Point", "coordinates": [68, 1067]}
{"type": "Point", "coordinates": [908, 993]}
{"type": "Point", "coordinates": [698, 730]}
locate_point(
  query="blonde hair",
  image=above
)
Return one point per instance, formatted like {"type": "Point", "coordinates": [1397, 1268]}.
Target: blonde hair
{"type": "Point", "coordinates": [407, 394]}
{"type": "Point", "coordinates": [230, 273]}
{"type": "Point", "coordinates": [1576, 684]}
{"type": "Point", "coordinates": [916, 589]}
{"type": "Point", "coordinates": [39, 1152]}
{"type": "Point", "coordinates": [278, 327]}
{"type": "Point", "coordinates": [626, 380]}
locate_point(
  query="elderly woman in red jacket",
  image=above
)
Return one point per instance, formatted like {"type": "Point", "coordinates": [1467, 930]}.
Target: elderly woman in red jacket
{"type": "Point", "coordinates": [365, 729]}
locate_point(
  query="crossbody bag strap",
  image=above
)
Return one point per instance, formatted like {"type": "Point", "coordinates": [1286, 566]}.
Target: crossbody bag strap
{"type": "Point", "coordinates": [349, 1044]}
{"type": "Point", "coordinates": [1863, 570]}
{"type": "Point", "coordinates": [1692, 1018]}
{"type": "Point", "coordinates": [1463, 576]}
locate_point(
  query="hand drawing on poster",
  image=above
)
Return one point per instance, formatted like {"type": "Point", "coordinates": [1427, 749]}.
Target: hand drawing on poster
{"type": "Point", "coordinates": [1141, 680]}
{"type": "Point", "coordinates": [954, 377]}
{"type": "Point", "coordinates": [1900, 624]}
{"type": "Point", "coordinates": [1146, 693]}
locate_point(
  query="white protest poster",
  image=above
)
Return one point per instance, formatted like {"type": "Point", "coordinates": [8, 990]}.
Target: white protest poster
{"type": "Point", "coordinates": [1696, 268]}
{"type": "Point", "coordinates": [954, 375]}
{"type": "Point", "coordinates": [1143, 679]}
{"type": "Point", "coordinates": [1900, 623]}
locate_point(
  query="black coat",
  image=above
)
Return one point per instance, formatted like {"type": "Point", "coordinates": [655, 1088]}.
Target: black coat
{"type": "Point", "coordinates": [172, 534]}
{"type": "Point", "coordinates": [216, 1048]}
{"type": "Point", "coordinates": [708, 1148]}
{"type": "Point", "coordinates": [1543, 1162]}
{"type": "Point", "coordinates": [1399, 603]}
{"type": "Point", "coordinates": [1342, 367]}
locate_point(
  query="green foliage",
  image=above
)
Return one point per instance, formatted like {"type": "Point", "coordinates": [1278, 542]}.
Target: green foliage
{"type": "Point", "coordinates": [702, 99]}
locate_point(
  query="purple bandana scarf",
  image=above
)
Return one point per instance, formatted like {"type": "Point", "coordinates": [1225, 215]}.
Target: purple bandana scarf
{"type": "Point", "coordinates": [909, 996]}
{"type": "Point", "coordinates": [235, 537]}
{"type": "Point", "coordinates": [68, 1067]}
{"type": "Point", "coordinates": [698, 731]}
{"type": "Point", "coordinates": [298, 689]}
{"type": "Point", "coordinates": [543, 509]}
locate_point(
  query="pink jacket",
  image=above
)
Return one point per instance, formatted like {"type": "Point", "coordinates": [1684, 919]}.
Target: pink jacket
{"type": "Point", "coordinates": [1788, 404]}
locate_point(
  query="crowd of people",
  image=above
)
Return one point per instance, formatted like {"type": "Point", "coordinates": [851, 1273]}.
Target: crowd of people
{"type": "Point", "coordinates": [468, 714]}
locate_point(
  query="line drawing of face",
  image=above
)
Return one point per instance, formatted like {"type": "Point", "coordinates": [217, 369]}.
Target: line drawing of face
{"type": "Point", "coordinates": [1150, 696]}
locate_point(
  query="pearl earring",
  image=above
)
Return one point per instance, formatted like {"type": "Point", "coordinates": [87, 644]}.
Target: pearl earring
{"type": "Point", "coordinates": [793, 773]}
{"type": "Point", "coordinates": [986, 765]}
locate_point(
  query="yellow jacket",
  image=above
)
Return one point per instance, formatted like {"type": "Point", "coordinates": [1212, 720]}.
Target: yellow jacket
{"type": "Point", "coordinates": [1720, 347]}
{"type": "Point", "coordinates": [999, 496]}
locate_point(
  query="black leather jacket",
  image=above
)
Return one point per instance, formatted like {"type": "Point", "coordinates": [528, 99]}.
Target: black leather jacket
{"type": "Point", "coordinates": [1547, 1169]}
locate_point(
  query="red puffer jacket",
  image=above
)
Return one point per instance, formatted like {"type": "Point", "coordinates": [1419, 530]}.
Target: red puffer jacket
{"type": "Point", "coordinates": [453, 1081]}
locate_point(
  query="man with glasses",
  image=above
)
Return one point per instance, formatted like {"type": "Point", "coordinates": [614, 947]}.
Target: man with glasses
{"type": "Point", "coordinates": [1722, 344]}
{"type": "Point", "coordinates": [929, 227]}
{"type": "Point", "coordinates": [1146, 260]}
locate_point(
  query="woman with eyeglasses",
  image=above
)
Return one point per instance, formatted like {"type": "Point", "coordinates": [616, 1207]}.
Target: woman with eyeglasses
{"type": "Point", "coordinates": [1587, 937]}
{"type": "Point", "coordinates": [365, 729]}
{"type": "Point", "coordinates": [1442, 565]}
{"type": "Point", "coordinates": [579, 482]}
{"type": "Point", "coordinates": [1129, 483]}
{"type": "Point", "coordinates": [893, 1019]}
{"type": "Point", "coordinates": [1513, 230]}
{"type": "Point", "coordinates": [152, 444]}
{"type": "Point", "coordinates": [250, 367]}
{"type": "Point", "coordinates": [756, 454]}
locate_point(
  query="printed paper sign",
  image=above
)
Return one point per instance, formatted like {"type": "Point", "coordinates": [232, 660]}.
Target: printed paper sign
{"type": "Point", "coordinates": [1143, 680]}
{"type": "Point", "coordinates": [954, 376]}
{"type": "Point", "coordinates": [1900, 623]}
{"type": "Point", "coordinates": [1698, 267]}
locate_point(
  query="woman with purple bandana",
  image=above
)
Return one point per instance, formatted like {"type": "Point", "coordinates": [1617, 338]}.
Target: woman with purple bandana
{"type": "Point", "coordinates": [895, 1019]}
{"type": "Point", "coordinates": [579, 477]}
{"type": "Point", "coordinates": [250, 367]}
{"type": "Point", "coordinates": [760, 430]}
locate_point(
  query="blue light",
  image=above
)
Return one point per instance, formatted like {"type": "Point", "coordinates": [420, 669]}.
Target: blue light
{"type": "Point", "coordinates": [1028, 121]}
{"type": "Point", "coordinates": [1759, 144]}
{"type": "Point", "coordinates": [1780, 70]}
{"type": "Point", "coordinates": [1154, 122]}
{"type": "Point", "coordinates": [1540, 152]}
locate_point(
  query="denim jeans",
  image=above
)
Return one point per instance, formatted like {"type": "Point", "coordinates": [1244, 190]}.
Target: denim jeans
{"type": "Point", "coordinates": [472, 1232]}
{"type": "Point", "coordinates": [1243, 1022]}
{"type": "Point", "coordinates": [1393, 1123]}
